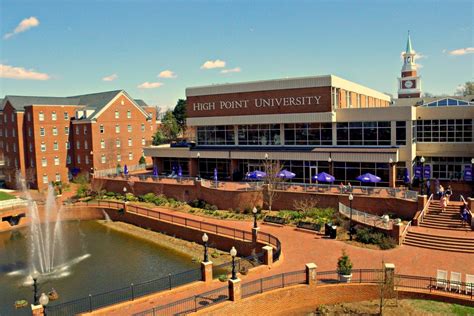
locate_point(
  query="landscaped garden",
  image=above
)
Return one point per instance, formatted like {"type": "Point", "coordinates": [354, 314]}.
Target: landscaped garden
{"type": "Point", "coordinates": [5, 196]}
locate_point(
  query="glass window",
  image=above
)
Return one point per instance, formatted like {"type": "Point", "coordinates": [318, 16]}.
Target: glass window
{"type": "Point", "coordinates": [66, 115]}
{"type": "Point", "coordinates": [143, 127]}
{"type": "Point", "coordinates": [45, 179]}
{"type": "Point", "coordinates": [117, 115]}
{"type": "Point", "coordinates": [102, 144]}
{"type": "Point", "coordinates": [56, 161]}
{"type": "Point", "coordinates": [117, 128]}
{"type": "Point", "coordinates": [58, 177]}
{"type": "Point", "coordinates": [43, 147]}
{"type": "Point", "coordinates": [44, 162]}
{"type": "Point", "coordinates": [401, 133]}
{"type": "Point", "coordinates": [102, 159]}
{"type": "Point", "coordinates": [119, 157]}
{"type": "Point", "coordinates": [129, 114]}
{"type": "Point", "coordinates": [130, 156]}
{"type": "Point", "coordinates": [41, 116]}
{"type": "Point", "coordinates": [129, 142]}
{"type": "Point", "coordinates": [42, 131]}
{"type": "Point", "coordinates": [215, 135]}
{"type": "Point", "coordinates": [66, 130]}
{"type": "Point", "coordinates": [55, 131]}
{"type": "Point", "coordinates": [55, 145]}
{"type": "Point", "coordinates": [54, 116]}
{"type": "Point", "coordinates": [129, 128]}
{"type": "Point", "coordinates": [117, 143]}
{"type": "Point", "coordinates": [101, 129]}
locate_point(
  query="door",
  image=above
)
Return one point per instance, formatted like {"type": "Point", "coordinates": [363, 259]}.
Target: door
{"type": "Point", "coordinates": [313, 171]}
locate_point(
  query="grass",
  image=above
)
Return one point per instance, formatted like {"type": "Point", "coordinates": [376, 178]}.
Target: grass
{"type": "Point", "coordinates": [442, 308]}
{"type": "Point", "coordinates": [5, 196]}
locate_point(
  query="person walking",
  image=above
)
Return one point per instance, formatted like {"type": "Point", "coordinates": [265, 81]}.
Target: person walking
{"type": "Point", "coordinates": [449, 192]}
{"type": "Point", "coordinates": [441, 192]}
{"type": "Point", "coordinates": [428, 187]}
{"type": "Point", "coordinates": [437, 187]}
{"type": "Point", "coordinates": [443, 203]}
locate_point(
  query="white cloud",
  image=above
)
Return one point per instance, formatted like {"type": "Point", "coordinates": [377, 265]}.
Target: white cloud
{"type": "Point", "coordinates": [211, 64]}
{"type": "Point", "coordinates": [112, 77]}
{"type": "Point", "coordinates": [460, 89]}
{"type": "Point", "coordinates": [21, 73]}
{"type": "Point", "coordinates": [24, 25]}
{"type": "Point", "coordinates": [461, 51]}
{"type": "Point", "coordinates": [417, 55]}
{"type": "Point", "coordinates": [167, 74]}
{"type": "Point", "coordinates": [150, 85]}
{"type": "Point", "coordinates": [226, 71]}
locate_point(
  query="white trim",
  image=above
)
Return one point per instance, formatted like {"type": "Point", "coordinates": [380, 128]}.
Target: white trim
{"type": "Point", "coordinates": [121, 93]}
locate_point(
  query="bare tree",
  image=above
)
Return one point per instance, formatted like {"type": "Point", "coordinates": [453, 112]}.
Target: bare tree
{"type": "Point", "coordinates": [306, 205]}
{"type": "Point", "coordinates": [272, 180]}
{"type": "Point", "coordinates": [98, 186]}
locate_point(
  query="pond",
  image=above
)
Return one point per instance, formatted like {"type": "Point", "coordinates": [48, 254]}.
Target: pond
{"type": "Point", "coordinates": [99, 259]}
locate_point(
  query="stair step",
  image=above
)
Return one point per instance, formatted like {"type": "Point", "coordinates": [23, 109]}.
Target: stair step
{"type": "Point", "coordinates": [445, 243]}
{"type": "Point", "coordinates": [460, 229]}
{"type": "Point", "coordinates": [433, 236]}
{"type": "Point", "coordinates": [435, 247]}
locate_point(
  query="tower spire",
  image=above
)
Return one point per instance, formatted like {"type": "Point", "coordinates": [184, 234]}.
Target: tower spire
{"type": "Point", "coordinates": [409, 49]}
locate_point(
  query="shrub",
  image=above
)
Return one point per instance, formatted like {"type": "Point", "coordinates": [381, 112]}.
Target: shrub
{"type": "Point", "coordinates": [370, 236]}
{"type": "Point", "coordinates": [148, 198]}
{"type": "Point", "coordinates": [215, 254]}
{"type": "Point", "coordinates": [130, 197]}
{"type": "Point", "coordinates": [344, 264]}
{"type": "Point", "coordinates": [223, 277]}
{"type": "Point", "coordinates": [214, 207]}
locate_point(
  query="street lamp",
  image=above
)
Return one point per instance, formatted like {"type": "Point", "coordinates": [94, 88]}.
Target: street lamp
{"type": "Point", "coordinates": [233, 253]}
{"type": "Point", "coordinates": [199, 166]}
{"type": "Point", "coordinates": [205, 238]}
{"type": "Point", "coordinates": [329, 159]}
{"type": "Point", "coordinates": [35, 288]}
{"type": "Point", "coordinates": [351, 197]}
{"type": "Point", "coordinates": [422, 160]}
{"type": "Point", "coordinates": [125, 194]}
{"type": "Point", "coordinates": [254, 211]}
{"type": "Point", "coordinates": [44, 300]}
{"type": "Point", "coordinates": [266, 156]}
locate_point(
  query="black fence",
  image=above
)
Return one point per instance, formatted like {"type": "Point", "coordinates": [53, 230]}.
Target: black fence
{"type": "Point", "coordinates": [403, 281]}
{"type": "Point", "coordinates": [241, 265]}
{"type": "Point", "coordinates": [128, 293]}
{"type": "Point", "coordinates": [273, 282]}
{"type": "Point", "coordinates": [190, 304]}
{"type": "Point", "coordinates": [358, 276]}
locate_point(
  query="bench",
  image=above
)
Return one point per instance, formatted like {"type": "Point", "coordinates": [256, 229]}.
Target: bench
{"type": "Point", "coordinates": [308, 226]}
{"type": "Point", "coordinates": [274, 220]}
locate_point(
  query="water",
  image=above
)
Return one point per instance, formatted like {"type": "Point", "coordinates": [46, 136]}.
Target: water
{"type": "Point", "coordinates": [98, 259]}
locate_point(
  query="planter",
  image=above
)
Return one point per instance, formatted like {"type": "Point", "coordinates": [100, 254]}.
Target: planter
{"type": "Point", "coordinates": [345, 278]}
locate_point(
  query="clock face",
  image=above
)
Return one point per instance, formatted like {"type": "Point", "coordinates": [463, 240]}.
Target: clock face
{"type": "Point", "coordinates": [408, 84]}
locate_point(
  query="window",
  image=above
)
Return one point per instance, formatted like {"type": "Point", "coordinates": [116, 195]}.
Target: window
{"type": "Point", "coordinates": [143, 127]}
{"type": "Point", "coordinates": [66, 115]}
{"type": "Point", "coordinates": [28, 117]}
{"type": "Point", "coordinates": [129, 142]}
{"type": "Point", "coordinates": [101, 129]}
{"type": "Point", "coordinates": [14, 147]}
{"type": "Point", "coordinates": [68, 145]}
{"type": "Point", "coordinates": [66, 130]}
{"type": "Point", "coordinates": [117, 143]}
{"type": "Point", "coordinates": [348, 99]}
{"type": "Point", "coordinates": [117, 115]}
{"type": "Point", "coordinates": [117, 128]}
{"type": "Point", "coordinates": [129, 114]}
{"type": "Point", "coordinates": [58, 177]}
{"type": "Point", "coordinates": [41, 116]}
{"type": "Point", "coordinates": [102, 158]}
{"type": "Point", "coordinates": [14, 133]}
{"type": "Point", "coordinates": [129, 128]}
{"type": "Point", "coordinates": [55, 145]}
{"type": "Point", "coordinates": [43, 147]}
{"type": "Point", "coordinates": [364, 133]}
{"type": "Point", "coordinates": [68, 160]}
{"type": "Point", "coordinates": [143, 141]}
{"type": "Point", "coordinates": [54, 116]}
{"type": "Point", "coordinates": [32, 163]}
{"type": "Point", "coordinates": [78, 159]}
{"type": "Point", "coordinates": [130, 156]}
{"type": "Point", "coordinates": [77, 130]}
{"type": "Point", "coordinates": [78, 145]}
{"type": "Point", "coordinates": [439, 131]}
{"type": "Point", "coordinates": [44, 162]}
{"type": "Point", "coordinates": [6, 132]}
{"type": "Point", "coordinates": [401, 133]}
{"type": "Point", "coordinates": [16, 162]}
{"type": "Point", "coordinates": [119, 157]}
{"type": "Point", "coordinates": [102, 144]}
{"type": "Point", "coordinates": [85, 130]}
{"type": "Point", "coordinates": [45, 179]}
{"type": "Point", "coordinates": [55, 131]}
{"type": "Point", "coordinates": [216, 135]}
{"type": "Point", "coordinates": [86, 159]}
{"type": "Point", "coordinates": [86, 145]}
{"type": "Point", "coordinates": [13, 117]}
{"type": "Point", "coordinates": [42, 131]}
{"type": "Point", "coordinates": [308, 134]}
{"type": "Point", "coordinates": [29, 131]}
{"type": "Point", "coordinates": [31, 147]}
{"type": "Point", "coordinates": [56, 161]}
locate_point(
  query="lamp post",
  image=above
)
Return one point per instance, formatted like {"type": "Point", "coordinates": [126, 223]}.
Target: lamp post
{"type": "Point", "coordinates": [254, 211]}
{"type": "Point", "coordinates": [205, 238]}
{"type": "Point", "coordinates": [199, 166]}
{"type": "Point", "coordinates": [125, 194]}
{"type": "Point", "coordinates": [35, 289]}
{"type": "Point", "coordinates": [233, 253]}
{"type": "Point", "coordinates": [422, 160]}
{"type": "Point", "coordinates": [351, 197]}
{"type": "Point", "coordinates": [44, 300]}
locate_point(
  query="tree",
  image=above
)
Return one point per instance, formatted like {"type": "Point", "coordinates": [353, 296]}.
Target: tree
{"type": "Point", "coordinates": [305, 205]}
{"type": "Point", "coordinates": [168, 130]}
{"type": "Point", "coordinates": [272, 169]}
{"type": "Point", "coordinates": [179, 113]}
{"type": "Point", "coordinates": [465, 89]}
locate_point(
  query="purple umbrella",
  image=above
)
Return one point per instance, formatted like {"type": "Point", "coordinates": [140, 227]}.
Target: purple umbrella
{"type": "Point", "coordinates": [125, 170]}
{"type": "Point", "coordinates": [368, 177]}
{"type": "Point", "coordinates": [285, 174]}
{"type": "Point", "coordinates": [406, 176]}
{"type": "Point", "coordinates": [215, 174]}
{"type": "Point", "coordinates": [324, 177]}
{"type": "Point", "coordinates": [180, 171]}
{"type": "Point", "coordinates": [255, 175]}
{"type": "Point", "coordinates": [155, 171]}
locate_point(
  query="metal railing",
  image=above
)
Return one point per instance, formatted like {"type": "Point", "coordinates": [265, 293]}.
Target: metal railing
{"type": "Point", "coordinates": [358, 276]}
{"type": "Point", "coordinates": [115, 171]}
{"type": "Point", "coordinates": [365, 218]}
{"type": "Point", "coordinates": [273, 282]}
{"type": "Point", "coordinates": [432, 284]}
{"type": "Point", "coordinates": [13, 203]}
{"type": "Point", "coordinates": [404, 233]}
{"type": "Point", "coordinates": [238, 186]}
{"type": "Point", "coordinates": [421, 216]}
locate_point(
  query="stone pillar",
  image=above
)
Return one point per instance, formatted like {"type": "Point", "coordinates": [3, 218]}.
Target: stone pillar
{"type": "Point", "coordinates": [331, 167]}
{"type": "Point", "coordinates": [397, 232]}
{"type": "Point", "coordinates": [255, 234]}
{"type": "Point", "coordinates": [311, 270]}
{"type": "Point", "coordinates": [206, 271]}
{"type": "Point", "coordinates": [235, 292]}
{"type": "Point", "coordinates": [37, 310]}
{"type": "Point", "coordinates": [392, 175]}
{"type": "Point", "coordinates": [422, 199]}
{"type": "Point", "coordinates": [389, 274]}
{"type": "Point", "coordinates": [234, 166]}
{"type": "Point", "coordinates": [267, 255]}
{"type": "Point", "coordinates": [193, 167]}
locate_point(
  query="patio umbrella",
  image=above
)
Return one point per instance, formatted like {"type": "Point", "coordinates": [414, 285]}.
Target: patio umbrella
{"type": "Point", "coordinates": [215, 174]}
{"type": "Point", "coordinates": [125, 170]}
{"type": "Point", "coordinates": [285, 174]}
{"type": "Point", "coordinates": [155, 171]}
{"type": "Point", "coordinates": [324, 177]}
{"type": "Point", "coordinates": [255, 175]}
{"type": "Point", "coordinates": [368, 177]}
{"type": "Point", "coordinates": [180, 171]}
{"type": "Point", "coordinates": [406, 176]}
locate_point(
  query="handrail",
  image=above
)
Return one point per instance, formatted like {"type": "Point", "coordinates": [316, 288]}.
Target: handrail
{"type": "Point", "coordinates": [405, 231]}
{"type": "Point", "coordinates": [425, 209]}
{"type": "Point", "coordinates": [365, 218]}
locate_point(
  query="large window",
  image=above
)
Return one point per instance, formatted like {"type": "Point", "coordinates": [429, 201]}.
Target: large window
{"type": "Point", "coordinates": [215, 135]}
{"type": "Point", "coordinates": [451, 131]}
{"type": "Point", "coordinates": [259, 135]}
{"type": "Point", "coordinates": [171, 165]}
{"type": "Point", "coordinates": [445, 168]}
{"type": "Point", "coordinates": [304, 134]}
{"type": "Point", "coordinates": [364, 133]}
{"type": "Point", "coordinates": [349, 171]}
{"type": "Point", "coordinates": [207, 166]}
{"type": "Point", "coordinates": [401, 132]}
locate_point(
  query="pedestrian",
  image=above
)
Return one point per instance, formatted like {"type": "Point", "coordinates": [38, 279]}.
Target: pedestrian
{"type": "Point", "coordinates": [441, 191]}
{"type": "Point", "coordinates": [448, 192]}
{"type": "Point", "coordinates": [428, 187]}
{"type": "Point", "coordinates": [443, 203]}
{"type": "Point", "coordinates": [437, 187]}
{"type": "Point", "coordinates": [464, 216]}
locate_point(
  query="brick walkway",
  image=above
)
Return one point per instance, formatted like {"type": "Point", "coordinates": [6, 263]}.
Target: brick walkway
{"type": "Point", "coordinates": [299, 248]}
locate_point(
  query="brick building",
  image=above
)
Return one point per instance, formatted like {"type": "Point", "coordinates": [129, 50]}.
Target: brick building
{"type": "Point", "coordinates": [53, 138]}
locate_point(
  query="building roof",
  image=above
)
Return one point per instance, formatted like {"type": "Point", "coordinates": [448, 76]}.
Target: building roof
{"type": "Point", "coordinates": [409, 49]}
{"type": "Point", "coordinates": [19, 102]}
{"type": "Point", "coordinates": [141, 103]}
{"type": "Point", "coordinates": [427, 100]}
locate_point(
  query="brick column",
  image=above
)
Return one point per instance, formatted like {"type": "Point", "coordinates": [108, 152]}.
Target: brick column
{"type": "Point", "coordinates": [267, 255]}
{"type": "Point", "coordinates": [255, 234]}
{"type": "Point", "coordinates": [206, 271]}
{"type": "Point", "coordinates": [311, 270]}
{"type": "Point", "coordinates": [422, 199]}
{"type": "Point", "coordinates": [392, 175]}
{"type": "Point", "coordinates": [37, 310]}
{"type": "Point", "coordinates": [235, 292]}
{"type": "Point", "coordinates": [389, 274]}
{"type": "Point", "coordinates": [397, 232]}
{"type": "Point", "coordinates": [234, 166]}
{"type": "Point", "coordinates": [159, 163]}
{"type": "Point", "coordinates": [193, 167]}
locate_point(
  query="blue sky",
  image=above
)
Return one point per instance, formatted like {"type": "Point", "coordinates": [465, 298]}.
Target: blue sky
{"type": "Point", "coordinates": [68, 47]}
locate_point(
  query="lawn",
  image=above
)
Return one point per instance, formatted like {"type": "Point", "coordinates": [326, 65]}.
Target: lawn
{"type": "Point", "coordinates": [6, 196]}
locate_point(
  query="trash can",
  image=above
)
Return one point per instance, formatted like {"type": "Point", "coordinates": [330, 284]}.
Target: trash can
{"type": "Point", "coordinates": [327, 229]}
{"type": "Point", "coordinates": [333, 232]}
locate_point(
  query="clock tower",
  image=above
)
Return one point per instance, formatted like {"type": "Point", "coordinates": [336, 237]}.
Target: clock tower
{"type": "Point", "coordinates": [409, 84]}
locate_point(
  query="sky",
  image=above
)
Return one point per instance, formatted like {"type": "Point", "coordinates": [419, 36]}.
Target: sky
{"type": "Point", "coordinates": [155, 49]}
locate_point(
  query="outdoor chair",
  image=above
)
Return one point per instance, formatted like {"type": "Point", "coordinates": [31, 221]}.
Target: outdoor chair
{"type": "Point", "coordinates": [469, 283]}
{"type": "Point", "coordinates": [455, 281]}
{"type": "Point", "coordinates": [441, 279]}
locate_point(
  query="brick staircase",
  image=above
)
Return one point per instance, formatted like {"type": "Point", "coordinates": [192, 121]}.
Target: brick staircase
{"type": "Point", "coordinates": [442, 230]}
